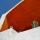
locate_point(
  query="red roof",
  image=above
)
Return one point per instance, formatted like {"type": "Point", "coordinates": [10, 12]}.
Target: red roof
{"type": "Point", "coordinates": [22, 16]}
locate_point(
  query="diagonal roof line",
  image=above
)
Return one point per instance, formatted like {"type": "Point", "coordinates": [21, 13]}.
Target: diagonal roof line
{"type": "Point", "coordinates": [4, 15]}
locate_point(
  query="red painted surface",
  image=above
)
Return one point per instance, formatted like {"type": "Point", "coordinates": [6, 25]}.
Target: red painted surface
{"type": "Point", "coordinates": [22, 16]}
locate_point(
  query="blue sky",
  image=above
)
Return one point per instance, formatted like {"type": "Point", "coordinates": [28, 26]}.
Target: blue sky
{"type": "Point", "coordinates": [6, 5]}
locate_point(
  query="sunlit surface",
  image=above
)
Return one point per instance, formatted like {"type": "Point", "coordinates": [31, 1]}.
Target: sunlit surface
{"type": "Point", "coordinates": [10, 34]}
